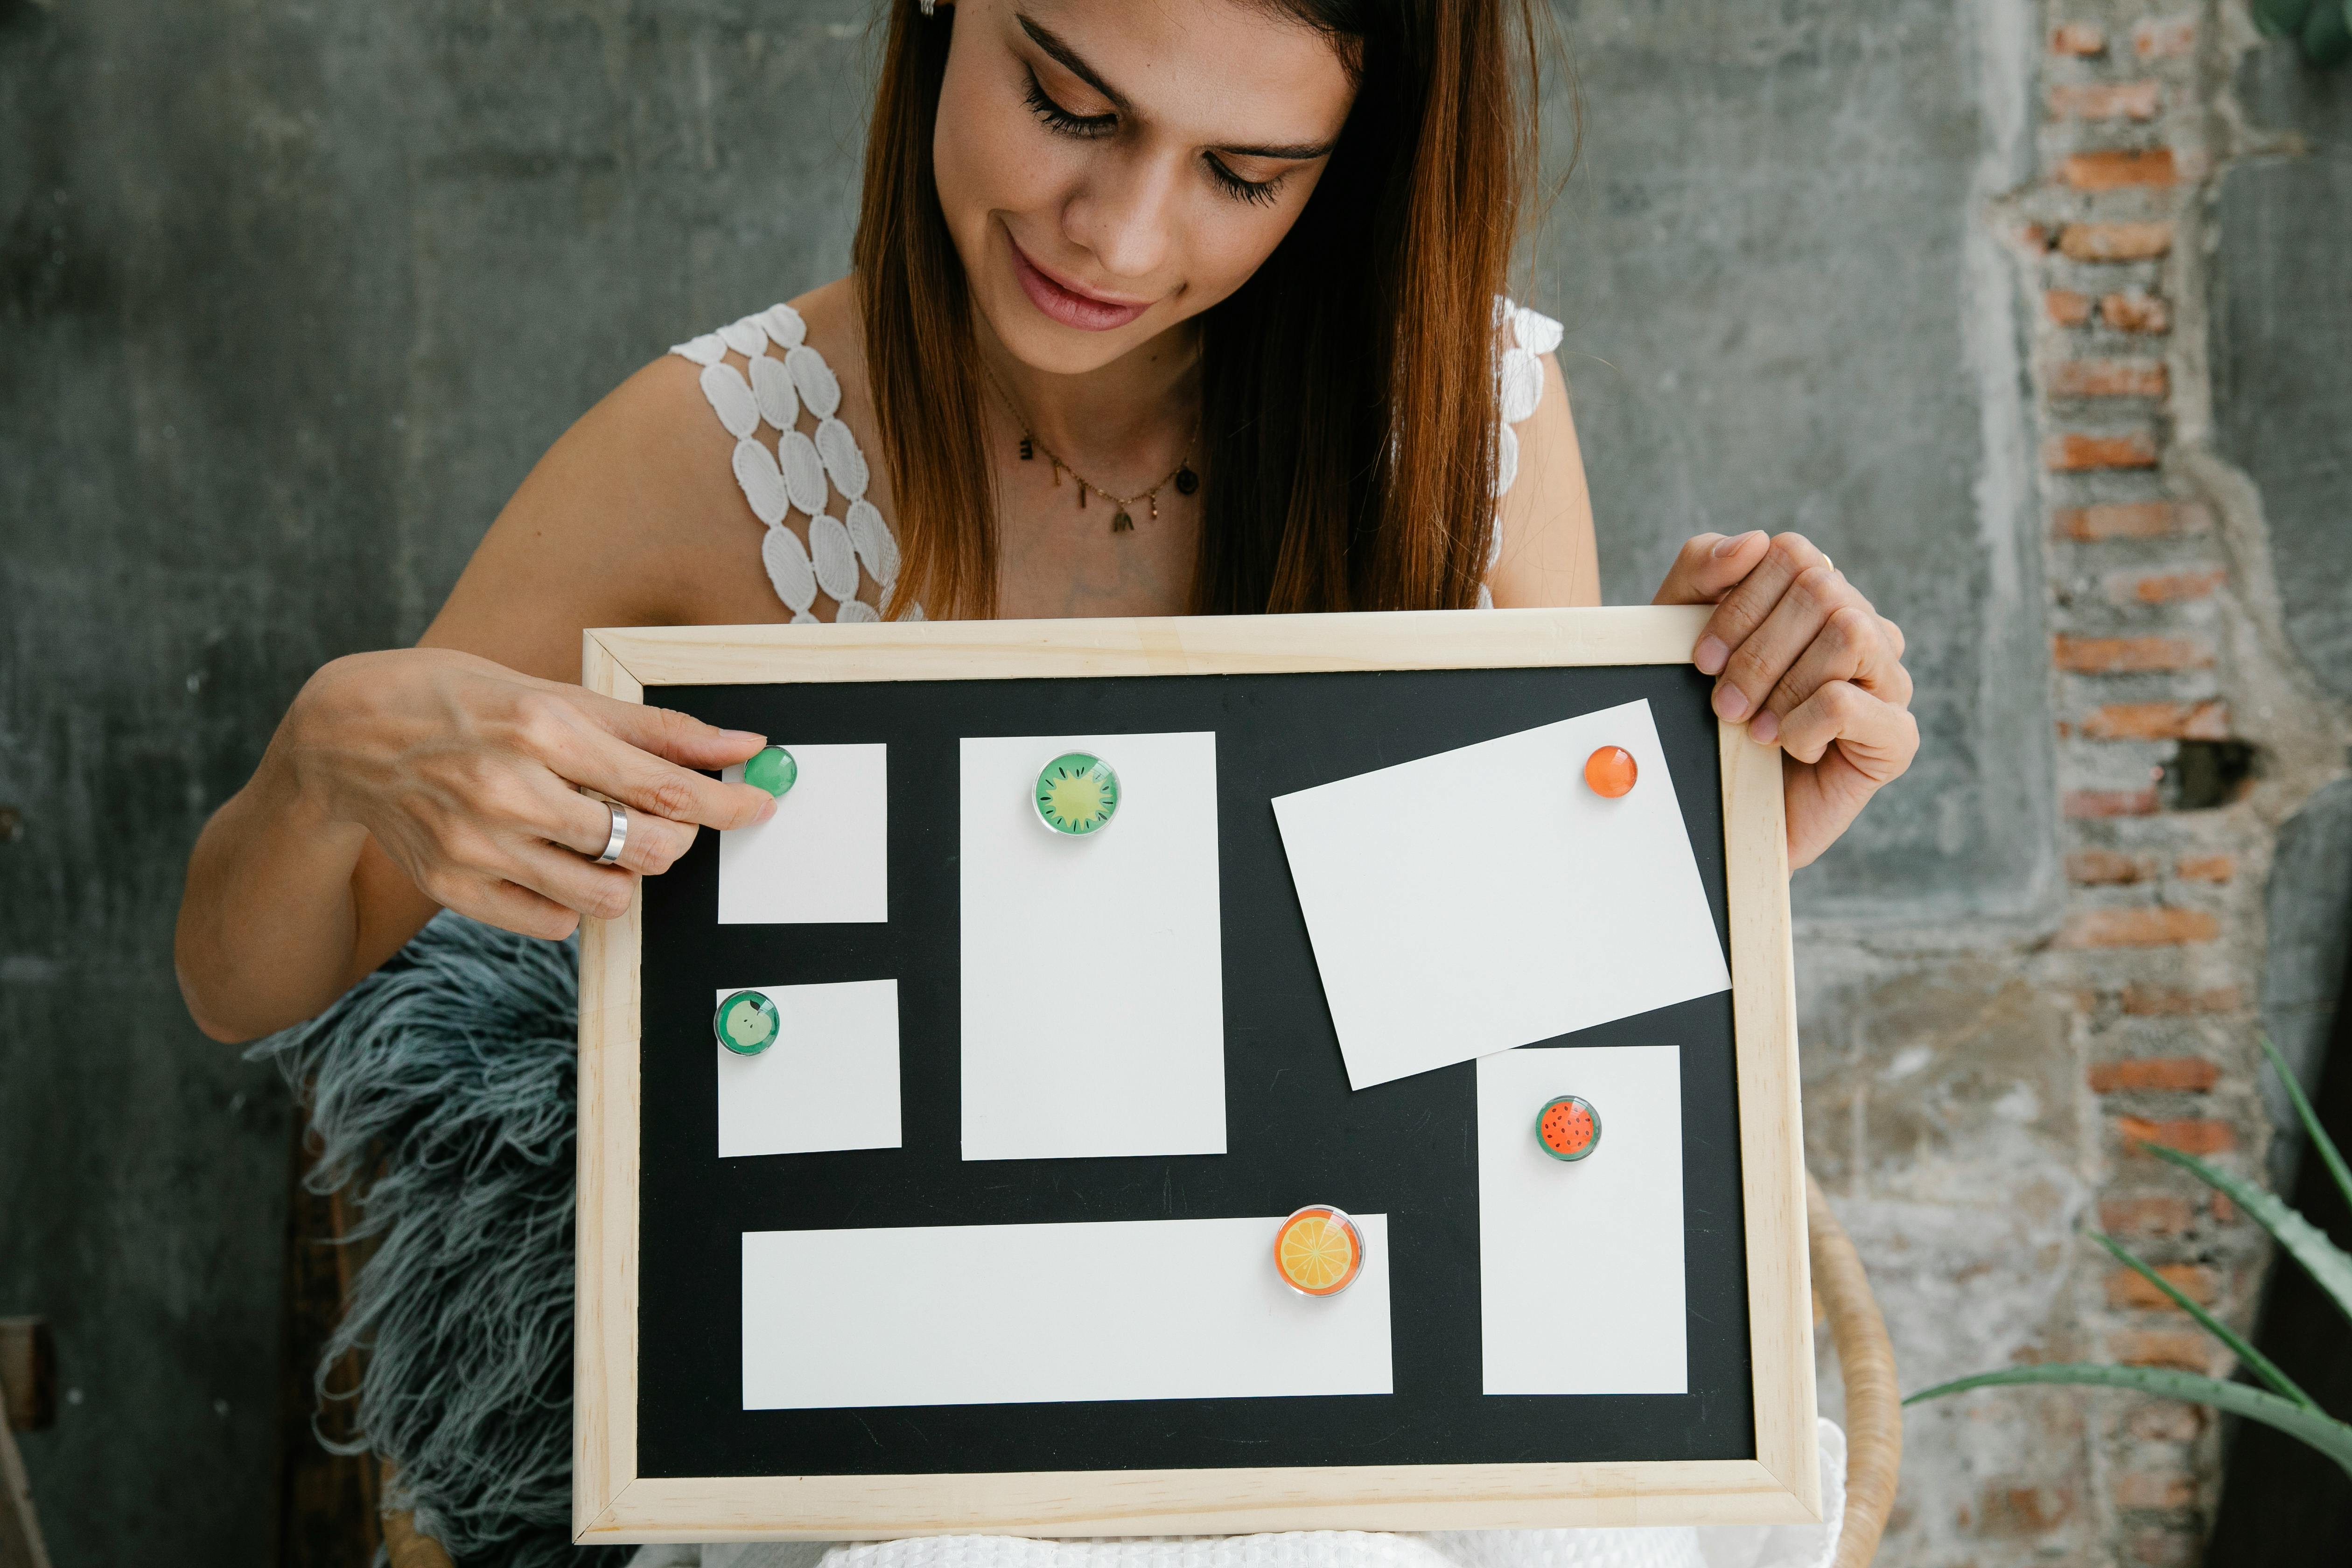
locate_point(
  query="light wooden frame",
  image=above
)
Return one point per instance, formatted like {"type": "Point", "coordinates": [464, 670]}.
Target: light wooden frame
{"type": "Point", "coordinates": [613, 1503]}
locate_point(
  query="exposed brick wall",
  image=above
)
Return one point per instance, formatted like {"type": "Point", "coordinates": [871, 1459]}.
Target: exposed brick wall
{"type": "Point", "coordinates": [1979, 1098]}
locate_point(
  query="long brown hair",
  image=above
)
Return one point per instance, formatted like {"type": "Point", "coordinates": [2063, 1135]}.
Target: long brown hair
{"type": "Point", "coordinates": [1347, 388]}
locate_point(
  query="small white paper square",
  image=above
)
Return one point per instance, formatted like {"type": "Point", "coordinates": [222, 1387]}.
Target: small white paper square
{"type": "Point", "coordinates": [824, 858]}
{"type": "Point", "coordinates": [830, 1081]}
{"type": "Point", "coordinates": [1580, 1263]}
{"type": "Point", "coordinates": [1094, 1011]}
{"type": "Point", "coordinates": [1486, 897]}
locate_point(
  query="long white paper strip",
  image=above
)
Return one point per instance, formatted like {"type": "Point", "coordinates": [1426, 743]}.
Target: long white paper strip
{"type": "Point", "coordinates": [1012, 1314]}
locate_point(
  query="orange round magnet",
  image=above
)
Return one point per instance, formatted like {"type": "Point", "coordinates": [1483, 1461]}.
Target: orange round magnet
{"type": "Point", "coordinates": [1611, 771]}
{"type": "Point", "coordinates": [1319, 1251]}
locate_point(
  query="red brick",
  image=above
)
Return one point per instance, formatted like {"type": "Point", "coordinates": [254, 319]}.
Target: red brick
{"type": "Point", "coordinates": [2107, 378]}
{"type": "Point", "coordinates": [2185, 1350]}
{"type": "Point", "coordinates": [2116, 169]}
{"type": "Point", "coordinates": [2194, 1280]}
{"type": "Point", "coordinates": [2103, 100]}
{"type": "Point", "coordinates": [2025, 1511]}
{"type": "Point", "coordinates": [2224, 1211]}
{"type": "Point", "coordinates": [2097, 867]}
{"type": "Point", "coordinates": [2206, 720]}
{"type": "Point", "coordinates": [2206, 868]}
{"type": "Point", "coordinates": [2157, 1488]}
{"type": "Point", "coordinates": [2166, 1421]}
{"type": "Point", "coordinates": [2149, 1214]}
{"type": "Point", "coordinates": [2117, 519]}
{"type": "Point", "coordinates": [2120, 656]}
{"type": "Point", "coordinates": [2145, 925]}
{"type": "Point", "coordinates": [2079, 451]}
{"type": "Point", "coordinates": [2165, 587]}
{"type": "Point", "coordinates": [2114, 241]}
{"type": "Point", "coordinates": [2068, 307]}
{"type": "Point", "coordinates": [2077, 38]}
{"type": "Point", "coordinates": [2165, 39]}
{"type": "Point", "coordinates": [2093, 803]}
{"type": "Point", "coordinates": [2189, 1134]}
{"type": "Point", "coordinates": [2136, 312]}
{"type": "Point", "coordinates": [2167, 1002]}
{"type": "Point", "coordinates": [2194, 1074]}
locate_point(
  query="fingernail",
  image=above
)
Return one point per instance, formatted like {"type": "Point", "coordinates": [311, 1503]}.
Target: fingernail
{"type": "Point", "coordinates": [1733, 543]}
{"type": "Point", "coordinates": [742, 737]}
{"type": "Point", "coordinates": [1710, 655]}
{"type": "Point", "coordinates": [1731, 703]}
{"type": "Point", "coordinates": [767, 810]}
{"type": "Point", "coordinates": [1765, 728]}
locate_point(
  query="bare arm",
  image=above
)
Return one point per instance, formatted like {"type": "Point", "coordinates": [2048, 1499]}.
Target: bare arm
{"type": "Point", "coordinates": [448, 774]}
{"type": "Point", "coordinates": [1549, 554]}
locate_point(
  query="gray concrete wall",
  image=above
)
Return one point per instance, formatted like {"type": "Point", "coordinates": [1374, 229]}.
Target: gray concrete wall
{"type": "Point", "coordinates": [291, 298]}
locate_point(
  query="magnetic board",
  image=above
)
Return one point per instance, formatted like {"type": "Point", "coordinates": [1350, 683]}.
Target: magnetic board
{"type": "Point", "coordinates": [960, 1256]}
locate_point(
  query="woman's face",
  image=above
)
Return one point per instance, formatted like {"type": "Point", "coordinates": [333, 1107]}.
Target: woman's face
{"type": "Point", "coordinates": [1111, 167]}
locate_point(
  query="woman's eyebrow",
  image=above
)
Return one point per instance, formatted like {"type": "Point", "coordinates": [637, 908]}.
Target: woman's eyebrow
{"type": "Point", "coordinates": [1045, 39]}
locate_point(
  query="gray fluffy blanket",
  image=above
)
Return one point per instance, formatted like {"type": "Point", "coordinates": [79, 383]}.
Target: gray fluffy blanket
{"type": "Point", "coordinates": [454, 1067]}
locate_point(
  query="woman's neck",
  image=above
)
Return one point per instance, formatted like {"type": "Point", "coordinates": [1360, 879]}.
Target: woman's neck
{"type": "Point", "coordinates": [1141, 410]}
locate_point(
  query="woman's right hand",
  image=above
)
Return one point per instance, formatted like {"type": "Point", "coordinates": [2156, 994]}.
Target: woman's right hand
{"type": "Point", "coordinates": [467, 776]}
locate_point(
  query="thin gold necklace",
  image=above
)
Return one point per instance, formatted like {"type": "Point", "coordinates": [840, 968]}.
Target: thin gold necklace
{"type": "Point", "coordinates": [1123, 520]}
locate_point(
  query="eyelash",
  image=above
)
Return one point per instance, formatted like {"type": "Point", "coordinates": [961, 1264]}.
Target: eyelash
{"type": "Point", "coordinates": [1087, 126]}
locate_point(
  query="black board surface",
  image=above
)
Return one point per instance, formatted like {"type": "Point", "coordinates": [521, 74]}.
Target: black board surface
{"type": "Point", "coordinates": [1296, 1133]}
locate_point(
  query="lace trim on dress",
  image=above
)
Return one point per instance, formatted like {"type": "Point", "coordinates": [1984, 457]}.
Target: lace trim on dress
{"type": "Point", "coordinates": [850, 559]}
{"type": "Point", "coordinates": [1519, 387]}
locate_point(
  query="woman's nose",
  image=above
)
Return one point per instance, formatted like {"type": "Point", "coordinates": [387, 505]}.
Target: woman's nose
{"type": "Point", "coordinates": [1124, 214]}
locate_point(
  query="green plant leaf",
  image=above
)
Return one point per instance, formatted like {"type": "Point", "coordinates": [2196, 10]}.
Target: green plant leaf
{"type": "Point", "coordinates": [2325, 1262]}
{"type": "Point", "coordinates": [2281, 18]}
{"type": "Point", "coordinates": [2260, 1365]}
{"type": "Point", "coordinates": [2327, 35]}
{"type": "Point", "coordinates": [2324, 1433]}
{"type": "Point", "coordinates": [2303, 1111]}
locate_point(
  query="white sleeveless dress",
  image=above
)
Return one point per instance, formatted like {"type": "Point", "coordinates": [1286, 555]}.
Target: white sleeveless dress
{"type": "Point", "coordinates": [828, 551]}
{"type": "Point", "coordinates": [831, 556]}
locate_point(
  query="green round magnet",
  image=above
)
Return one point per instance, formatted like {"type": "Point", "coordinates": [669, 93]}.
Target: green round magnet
{"type": "Point", "coordinates": [1567, 1128]}
{"type": "Point", "coordinates": [1077, 793]}
{"type": "Point", "coordinates": [746, 1023]}
{"type": "Point", "coordinates": [772, 770]}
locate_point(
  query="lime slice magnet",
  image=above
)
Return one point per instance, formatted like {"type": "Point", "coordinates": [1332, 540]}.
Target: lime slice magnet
{"type": "Point", "coordinates": [1567, 1128]}
{"type": "Point", "coordinates": [772, 770]}
{"type": "Point", "coordinates": [746, 1023]}
{"type": "Point", "coordinates": [1077, 793]}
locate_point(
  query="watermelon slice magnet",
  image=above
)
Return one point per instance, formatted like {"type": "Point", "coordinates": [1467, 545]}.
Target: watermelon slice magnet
{"type": "Point", "coordinates": [1567, 1128]}
{"type": "Point", "coordinates": [746, 1023]}
{"type": "Point", "coordinates": [1077, 793]}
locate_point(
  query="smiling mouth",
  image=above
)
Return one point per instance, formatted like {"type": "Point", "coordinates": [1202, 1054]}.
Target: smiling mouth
{"type": "Point", "coordinates": [1065, 302]}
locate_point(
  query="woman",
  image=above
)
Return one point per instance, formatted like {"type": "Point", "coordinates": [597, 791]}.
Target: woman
{"type": "Point", "coordinates": [1185, 307]}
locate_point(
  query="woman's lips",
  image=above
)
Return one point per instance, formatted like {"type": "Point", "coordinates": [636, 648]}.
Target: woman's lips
{"type": "Point", "coordinates": [1065, 304]}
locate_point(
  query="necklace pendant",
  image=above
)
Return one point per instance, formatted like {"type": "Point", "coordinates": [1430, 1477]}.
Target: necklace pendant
{"type": "Point", "coordinates": [1122, 524]}
{"type": "Point", "coordinates": [1028, 448]}
{"type": "Point", "coordinates": [1187, 481]}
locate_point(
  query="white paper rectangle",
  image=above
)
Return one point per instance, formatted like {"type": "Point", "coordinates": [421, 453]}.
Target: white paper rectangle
{"type": "Point", "coordinates": [824, 858]}
{"type": "Point", "coordinates": [1580, 1264]}
{"type": "Point", "coordinates": [830, 1081]}
{"type": "Point", "coordinates": [1487, 898]}
{"type": "Point", "coordinates": [1094, 1012]}
{"type": "Point", "coordinates": [1016, 1314]}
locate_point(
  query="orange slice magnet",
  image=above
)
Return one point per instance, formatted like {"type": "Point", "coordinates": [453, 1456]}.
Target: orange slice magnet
{"type": "Point", "coordinates": [1319, 1251]}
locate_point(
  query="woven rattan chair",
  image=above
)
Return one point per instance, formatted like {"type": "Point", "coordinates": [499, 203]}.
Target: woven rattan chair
{"type": "Point", "coordinates": [1874, 1409]}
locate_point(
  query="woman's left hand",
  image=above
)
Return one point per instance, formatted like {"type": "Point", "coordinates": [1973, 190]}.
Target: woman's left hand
{"type": "Point", "coordinates": [1801, 657]}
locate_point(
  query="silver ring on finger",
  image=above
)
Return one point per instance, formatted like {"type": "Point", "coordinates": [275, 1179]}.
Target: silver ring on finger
{"type": "Point", "coordinates": [618, 839]}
